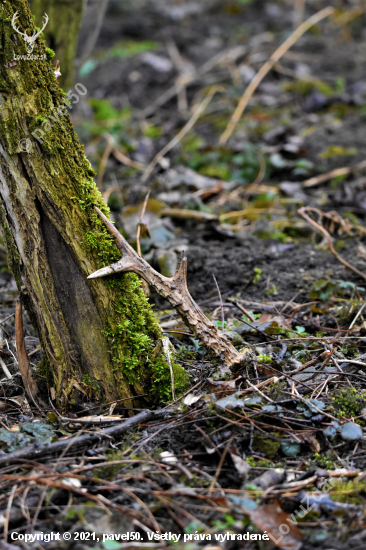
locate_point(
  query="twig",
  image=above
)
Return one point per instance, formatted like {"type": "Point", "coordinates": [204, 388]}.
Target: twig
{"type": "Point", "coordinates": [125, 160]}
{"type": "Point", "coordinates": [221, 302]}
{"type": "Point", "coordinates": [103, 162]}
{"type": "Point", "coordinates": [175, 290]}
{"type": "Point", "coordinates": [166, 345]}
{"type": "Point", "coordinates": [217, 473]}
{"type": "Point", "coordinates": [184, 80]}
{"type": "Point", "coordinates": [255, 388]}
{"type": "Point", "coordinates": [139, 225]}
{"type": "Point", "coordinates": [23, 361]}
{"type": "Point", "coordinates": [357, 316]}
{"type": "Point", "coordinates": [267, 336]}
{"type": "Point", "coordinates": [208, 439]}
{"type": "Point", "coordinates": [243, 310]}
{"type": "Point", "coordinates": [35, 451]}
{"type": "Point", "coordinates": [8, 510]}
{"type": "Point", "coordinates": [201, 107]}
{"type": "Point", "coordinates": [311, 182]}
{"type": "Point", "coordinates": [276, 56]}
{"type": "Point", "coordinates": [112, 149]}
{"type": "Point", "coordinates": [303, 212]}
{"type": "Point", "coordinates": [5, 369]}
{"type": "Point", "coordinates": [341, 371]}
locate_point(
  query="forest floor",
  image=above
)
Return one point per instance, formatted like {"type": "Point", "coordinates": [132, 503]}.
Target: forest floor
{"type": "Point", "coordinates": [279, 447]}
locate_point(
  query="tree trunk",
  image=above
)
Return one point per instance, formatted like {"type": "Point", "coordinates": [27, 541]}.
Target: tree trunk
{"type": "Point", "coordinates": [61, 32]}
{"type": "Point", "coordinates": [98, 337]}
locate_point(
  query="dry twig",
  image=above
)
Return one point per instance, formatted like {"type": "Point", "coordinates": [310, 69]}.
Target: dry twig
{"type": "Point", "coordinates": [264, 70]}
{"type": "Point", "coordinates": [23, 361]}
{"type": "Point", "coordinates": [197, 113]}
{"type": "Point", "coordinates": [303, 212]}
{"type": "Point", "coordinates": [346, 171]}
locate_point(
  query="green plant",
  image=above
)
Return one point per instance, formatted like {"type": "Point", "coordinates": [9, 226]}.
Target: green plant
{"type": "Point", "coordinates": [324, 461]}
{"type": "Point", "coordinates": [265, 358]}
{"type": "Point", "coordinates": [257, 276]}
{"type": "Point", "coordinates": [348, 403]}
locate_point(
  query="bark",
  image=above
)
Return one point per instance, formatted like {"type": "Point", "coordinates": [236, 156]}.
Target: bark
{"type": "Point", "coordinates": [97, 336]}
{"type": "Point", "coordinates": [61, 32]}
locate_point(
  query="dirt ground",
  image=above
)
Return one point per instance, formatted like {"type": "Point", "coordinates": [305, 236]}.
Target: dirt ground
{"type": "Point", "coordinates": [223, 459]}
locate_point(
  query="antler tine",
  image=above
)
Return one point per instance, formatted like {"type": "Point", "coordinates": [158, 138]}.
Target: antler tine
{"type": "Point", "coordinates": [120, 241]}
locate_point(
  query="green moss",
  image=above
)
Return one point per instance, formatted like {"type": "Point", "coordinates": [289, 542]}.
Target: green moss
{"type": "Point", "coordinates": [45, 379]}
{"type": "Point", "coordinates": [161, 379]}
{"type": "Point", "coordinates": [91, 383]}
{"type": "Point", "coordinates": [50, 54]}
{"type": "Point", "coordinates": [348, 492]}
{"type": "Point", "coordinates": [348, 404]}
{"type": "Point", "coordinates": [266, 445]}
{"type": "Point", "coordinates": [324, 461]}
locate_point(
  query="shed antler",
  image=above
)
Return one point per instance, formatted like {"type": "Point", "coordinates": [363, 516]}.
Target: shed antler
{"type": "Point", "coordinates": [176, 292]}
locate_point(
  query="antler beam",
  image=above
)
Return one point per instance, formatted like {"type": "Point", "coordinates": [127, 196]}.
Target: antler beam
{"type": "Point", "coordinates": [175, 290]}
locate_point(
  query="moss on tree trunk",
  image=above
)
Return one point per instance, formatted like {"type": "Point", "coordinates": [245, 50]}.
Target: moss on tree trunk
{"type": "Point", "coordinates": [100, 335]}
{"type": "Point", "coordinates": [61, 32]}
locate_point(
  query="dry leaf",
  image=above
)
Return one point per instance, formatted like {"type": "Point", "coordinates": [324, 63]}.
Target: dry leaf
{"type": "Point", "coordinates": [269, 318]}
{"type": "Point", "coordinates": [241, 465]}
{"type": "Point", "coordinates": [272, 519]}
{"type": "Point", "coordinates": [222, 387]}
{"type": "Point", "coordinates": [190, 399]}
{"type": "Point", "coordinates": [112, 407]}
{"type": "Point", "coordinates": [313, 442]}
{"type": "Point", "coordinates": [78, 387]}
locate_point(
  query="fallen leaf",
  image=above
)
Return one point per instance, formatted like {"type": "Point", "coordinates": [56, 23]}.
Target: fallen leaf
{"type": "Point", "coordinates": [190, 399]}
{"type": "Point", "coordinates": [241, 465]}
{"type": "Point", "coordinates": [313, 442]}
{"type": "Point", "coordinates": [277, 523]}
{"type": "Point", "coordinates": [268, 318]}
{"type": "Point", "coordinates": [221, 387]}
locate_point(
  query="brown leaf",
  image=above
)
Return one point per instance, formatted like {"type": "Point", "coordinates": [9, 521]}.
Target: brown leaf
{"type": "Point", "coordinates": [269, 318]}
{"type": "Point", "coordinates": [222, 387]}
{"type": "Point", "coordinates": [313, 442]}
{"type": "Point", "coordinates": [241, 465]}
{"type": "Point", "coordinates": [272, 519]}
{"type": "Point", "coordinates": [144, 230]}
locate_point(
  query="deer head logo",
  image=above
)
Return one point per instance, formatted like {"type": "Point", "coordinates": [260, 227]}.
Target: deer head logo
{"type": "Point", "coordinates": [29, 40]}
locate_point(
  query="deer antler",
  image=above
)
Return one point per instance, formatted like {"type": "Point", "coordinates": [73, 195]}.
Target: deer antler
{"type": "Point", "coordinates": [176, 292]}
{"type": "Point", "coordinates": [13, 21]}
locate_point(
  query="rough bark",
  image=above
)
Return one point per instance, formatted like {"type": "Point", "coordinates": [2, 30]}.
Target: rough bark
{"type": "Point", "coordinates": [96, 335]}
{"type": "Point", "coordinates": [61, 32]}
